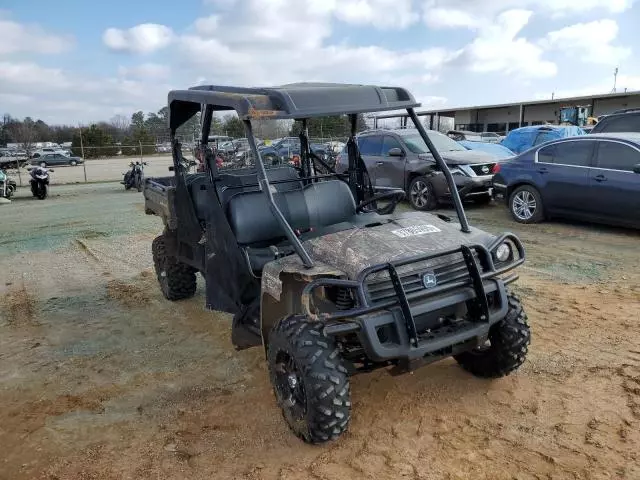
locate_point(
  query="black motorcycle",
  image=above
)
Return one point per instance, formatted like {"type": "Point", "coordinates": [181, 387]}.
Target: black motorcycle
{"type": "Point", "coordinates": [40, 182]}
{"type": "Point", "coordinates": [135, 176]}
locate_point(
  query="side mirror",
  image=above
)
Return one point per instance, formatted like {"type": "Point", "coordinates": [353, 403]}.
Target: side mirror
{"type": "Point", "coordinates": [395, 152]}
{"type": "Point", "coordinates": [636, 168]}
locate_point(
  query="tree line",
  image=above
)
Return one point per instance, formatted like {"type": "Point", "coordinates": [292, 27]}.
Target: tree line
{"type": "Point", "coordinates": [140, 133]}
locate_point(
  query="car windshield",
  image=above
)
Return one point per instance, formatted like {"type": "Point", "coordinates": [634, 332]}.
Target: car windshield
{"type": "Point", "coordinates": [416, 144]}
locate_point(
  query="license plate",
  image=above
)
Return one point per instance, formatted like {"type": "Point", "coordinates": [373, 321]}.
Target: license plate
{"type": "Point", "coordinates": [415, 230]}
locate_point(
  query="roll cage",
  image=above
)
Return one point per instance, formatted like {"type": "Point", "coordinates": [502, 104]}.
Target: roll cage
{"type": "Point", "coordinates": [298, 102]}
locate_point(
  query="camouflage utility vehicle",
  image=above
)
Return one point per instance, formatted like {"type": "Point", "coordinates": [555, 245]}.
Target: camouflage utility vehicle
{"type": "Point", "coordinates": [318, 269]}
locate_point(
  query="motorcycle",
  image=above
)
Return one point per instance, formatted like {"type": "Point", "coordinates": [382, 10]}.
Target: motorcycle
{"type": "Point", "coordinates": [7, 185]}
{"type": "Point", "coordinates": [135, 176]}
{"type": "Point", "coordinates": [40, 182]}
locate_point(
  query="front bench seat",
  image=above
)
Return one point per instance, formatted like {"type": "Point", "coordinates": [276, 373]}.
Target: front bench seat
{"type": "Point", "coordinates": [316, 205]}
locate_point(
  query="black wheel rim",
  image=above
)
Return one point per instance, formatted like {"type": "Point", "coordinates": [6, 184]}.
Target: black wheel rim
{"type": "Point", "coordinates": [290, 390]}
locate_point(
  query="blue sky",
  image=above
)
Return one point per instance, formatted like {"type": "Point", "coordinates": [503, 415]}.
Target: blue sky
{"type": "Point", "coordinates": [72, 61]}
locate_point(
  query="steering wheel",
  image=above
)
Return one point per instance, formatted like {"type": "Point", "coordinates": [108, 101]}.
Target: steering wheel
{"type": "Point", "coordinates": [396, 196]}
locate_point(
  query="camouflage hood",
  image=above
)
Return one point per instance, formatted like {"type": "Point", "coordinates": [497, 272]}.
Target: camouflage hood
{"type": "Point", "coordinates": [408, 235]}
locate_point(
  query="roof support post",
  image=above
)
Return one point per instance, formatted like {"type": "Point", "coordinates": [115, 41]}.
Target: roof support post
{"type": "Point", "coordinates": [521, 116]}
{"type": "Point", "coordinates": [265, 187]}
{"type": "Point", "coordinates": [442, 166]}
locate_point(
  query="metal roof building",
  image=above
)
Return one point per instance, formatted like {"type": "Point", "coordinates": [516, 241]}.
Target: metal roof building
{"type": "Point", "coordinates": [507, 116]}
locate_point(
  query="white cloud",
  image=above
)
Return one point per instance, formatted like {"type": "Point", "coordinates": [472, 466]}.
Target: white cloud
{"type": "Point", "coordinates": [476, 13]}
{"type": "Point", "coordinates": [451, 18]}
{"type": "Point", "coordinates": [497, 48]}
{"type": "Point", "coordinates": [604, 85]}
{"type": "Point", "coordinates": [207, 26]}
{"type": "Point", "coordinates": [382, 14]}
{"type": "Point", "coordinates": [18, 38]}
{"type": "Point", "coordinates": [244, 48]}
{"type": "Point", "coordinates": [574, 7]}
{"type": "Point", "coordinates": [571, 40]}
{"type": "Point", "coordinates": [145, 71]}
{"type": "Point", "coordinates": [143, 38]}
{"type": "Point", "coordinates": [57, 96]}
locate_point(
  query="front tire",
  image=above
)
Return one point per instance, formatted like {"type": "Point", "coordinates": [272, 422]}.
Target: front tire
{"type": "Point", "coordinates": [73, 163]}
{"type": "Point", "coordinates": [177, 280]}
{"type": "Point", "coordinates": [422, 194]}
{"type": "Point", "coordinates": [509, 342]}
{"type": "Point", "coordinates": [525, 205]}
{"type": "Point", "coordinates": [309, 379]}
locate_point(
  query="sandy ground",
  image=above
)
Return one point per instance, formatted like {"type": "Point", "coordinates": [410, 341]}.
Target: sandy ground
{"type": "Point", "coordinates": [100, 170]}
{"type": "Point", "coordinates": [101, 378]}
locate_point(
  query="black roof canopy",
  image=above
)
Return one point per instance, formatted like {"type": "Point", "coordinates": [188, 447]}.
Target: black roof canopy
{"type": "Point", "coordinates": [293, 101]}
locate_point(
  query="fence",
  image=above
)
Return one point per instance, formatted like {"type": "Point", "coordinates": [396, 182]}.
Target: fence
{"type": "Point", "coordinates": [108, 164]}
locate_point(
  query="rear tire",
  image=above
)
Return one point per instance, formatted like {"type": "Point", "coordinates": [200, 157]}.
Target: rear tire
{"type": "Point", "coordinates": [525, 205]}
{"type": "Point", "coordinates": [43, 164]}
{"type": "Point", "coordinates": [177, 280]}
{"type": "Point", "coordinates": [309, 379]}
{"type": "Point", "coordinates": [509, 342]}
{"type": "Point", "coordinates": [422, 194]}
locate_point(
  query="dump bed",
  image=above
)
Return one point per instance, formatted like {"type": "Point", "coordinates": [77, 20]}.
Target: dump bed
{"type": "Point", "coordinates": [159, 194]}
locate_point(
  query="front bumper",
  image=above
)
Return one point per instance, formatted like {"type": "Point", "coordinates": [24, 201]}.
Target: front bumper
{"type": "Point", "coordinates": [469, 187]}
{"type": "Point", "coordinates": [482, 291]}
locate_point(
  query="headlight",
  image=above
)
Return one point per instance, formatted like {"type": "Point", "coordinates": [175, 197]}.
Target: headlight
{"type": "Point", "coordinates": [503, 252]}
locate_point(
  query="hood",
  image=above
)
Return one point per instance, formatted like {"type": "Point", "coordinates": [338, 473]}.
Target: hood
{"type": "Point", "coordinates": [353, 250]}
{"type": "Point", "coordinates": [467, 157]}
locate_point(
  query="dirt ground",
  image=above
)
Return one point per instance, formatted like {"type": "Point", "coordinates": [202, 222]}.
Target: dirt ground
{"type": "Point", "coordinates": [101, 378]}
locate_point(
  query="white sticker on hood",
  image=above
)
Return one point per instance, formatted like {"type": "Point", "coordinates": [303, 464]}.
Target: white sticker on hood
{"type": "Point", "coordinates": [415, 230]}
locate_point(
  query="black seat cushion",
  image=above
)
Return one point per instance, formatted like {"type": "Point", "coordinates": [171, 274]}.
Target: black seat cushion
{"type": "Point", "coordinates": [229, 184]}
{"type": "Point", "coordinates": [246, 180]}
{"type": "Point", "coordinates": [317, 205]}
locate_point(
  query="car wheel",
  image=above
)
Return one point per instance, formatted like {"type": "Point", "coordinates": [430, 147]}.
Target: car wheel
{"type": "Point", "coordinates": [43, 164]}
{"type": "Point", "coordinates": [525, 204]}
{"type": "Point", "coordinates": [422, 194]}
{"type": "Point", "coordinates": [73, 163]}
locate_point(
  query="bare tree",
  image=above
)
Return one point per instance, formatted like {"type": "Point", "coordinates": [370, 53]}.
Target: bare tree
{"type": "Point", "coordinates": [121, 124]}
{"type": "Point", "coordinates": [26, 134]}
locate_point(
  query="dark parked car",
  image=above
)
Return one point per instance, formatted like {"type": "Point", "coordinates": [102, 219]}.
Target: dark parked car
{"type": "Point", "coordinates": [594, 177]}
{"type": "Point", "coordinates": [56, 159]}
{"type": "Point", "coordinates": [285, 149]}
{"type": "Point", "coordinates": [401, 159]}
{"type": "Point", "coordinates": [619, 121]}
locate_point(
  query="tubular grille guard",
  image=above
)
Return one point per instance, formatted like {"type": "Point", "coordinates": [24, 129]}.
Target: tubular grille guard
{"type": "Point", "coordinates": [477, 274]}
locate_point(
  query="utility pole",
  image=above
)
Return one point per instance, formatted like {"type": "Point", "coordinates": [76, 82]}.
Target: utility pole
{"type": "Point", "coordinates": [615, 80]}
{"type": "Point", "coordinates": [84, 163]}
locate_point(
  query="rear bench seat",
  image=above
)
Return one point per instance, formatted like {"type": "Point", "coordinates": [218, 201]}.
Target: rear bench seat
{"type": "Point", "coordinates": [316, 205]}
{"type": "Point", "coordinates": [230, 184]}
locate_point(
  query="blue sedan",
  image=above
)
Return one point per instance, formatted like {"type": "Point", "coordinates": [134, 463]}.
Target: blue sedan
{"type": "Point", "coordinates": [592, 177]}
